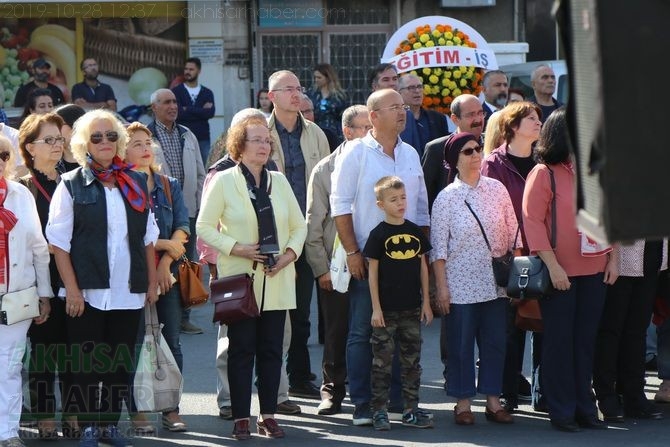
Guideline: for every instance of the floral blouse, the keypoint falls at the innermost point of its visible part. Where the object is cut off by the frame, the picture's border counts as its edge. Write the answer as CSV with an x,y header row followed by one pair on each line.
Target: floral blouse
x,y
456,237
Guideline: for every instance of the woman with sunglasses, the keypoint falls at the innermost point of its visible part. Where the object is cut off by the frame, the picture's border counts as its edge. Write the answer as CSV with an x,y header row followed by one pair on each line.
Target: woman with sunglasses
x,y
473,219
41,145
24,262
103,235
329,100
167,203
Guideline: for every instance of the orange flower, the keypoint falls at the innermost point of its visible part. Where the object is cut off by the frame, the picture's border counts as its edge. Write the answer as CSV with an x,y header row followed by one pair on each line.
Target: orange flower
x,y
427,102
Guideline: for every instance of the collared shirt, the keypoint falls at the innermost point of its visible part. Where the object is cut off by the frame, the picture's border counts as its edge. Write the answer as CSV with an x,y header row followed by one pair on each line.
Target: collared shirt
x,y
59,233
99,93
170,142
294,161
456,237
362,163
493,107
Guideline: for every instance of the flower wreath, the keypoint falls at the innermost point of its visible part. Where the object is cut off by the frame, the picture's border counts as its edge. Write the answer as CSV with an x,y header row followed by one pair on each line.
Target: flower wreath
x,y
442,84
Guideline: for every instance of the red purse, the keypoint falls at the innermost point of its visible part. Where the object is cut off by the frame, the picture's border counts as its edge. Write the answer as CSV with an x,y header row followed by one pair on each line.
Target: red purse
x,y
234,298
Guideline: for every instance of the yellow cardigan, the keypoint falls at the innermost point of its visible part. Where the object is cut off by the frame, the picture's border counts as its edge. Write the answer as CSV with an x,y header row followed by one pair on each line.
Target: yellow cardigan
x,y
226,204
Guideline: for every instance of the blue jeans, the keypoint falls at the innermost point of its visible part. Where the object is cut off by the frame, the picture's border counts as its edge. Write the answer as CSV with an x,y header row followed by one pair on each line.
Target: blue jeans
x,y
571,320
486,324
169,314
359,350
205,146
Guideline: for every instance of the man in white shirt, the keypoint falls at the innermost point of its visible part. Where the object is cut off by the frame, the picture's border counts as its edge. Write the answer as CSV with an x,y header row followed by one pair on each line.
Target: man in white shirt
x,y
381,152
496,90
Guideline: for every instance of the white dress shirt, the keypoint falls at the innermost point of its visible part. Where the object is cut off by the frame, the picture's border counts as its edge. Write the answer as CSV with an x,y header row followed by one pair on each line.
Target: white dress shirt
x,y
362,163
59,233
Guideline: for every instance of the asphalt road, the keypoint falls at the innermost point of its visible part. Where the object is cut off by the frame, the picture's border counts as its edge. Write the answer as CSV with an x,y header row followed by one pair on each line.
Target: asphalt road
x,y
200,412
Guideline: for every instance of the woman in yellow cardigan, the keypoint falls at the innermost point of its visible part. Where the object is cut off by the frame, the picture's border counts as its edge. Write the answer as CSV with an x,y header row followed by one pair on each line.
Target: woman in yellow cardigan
x,y
252,218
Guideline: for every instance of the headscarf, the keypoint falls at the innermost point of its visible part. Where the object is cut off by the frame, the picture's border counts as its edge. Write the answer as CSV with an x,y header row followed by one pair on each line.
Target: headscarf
x,y
7,221
130,189
452,149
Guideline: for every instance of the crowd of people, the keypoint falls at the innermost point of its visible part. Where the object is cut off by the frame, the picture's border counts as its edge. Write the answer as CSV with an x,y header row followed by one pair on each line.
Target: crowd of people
x,y
103,211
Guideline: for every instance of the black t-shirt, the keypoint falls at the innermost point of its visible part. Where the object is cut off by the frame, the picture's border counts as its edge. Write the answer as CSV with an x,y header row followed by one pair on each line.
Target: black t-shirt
x,y
398,249
522,164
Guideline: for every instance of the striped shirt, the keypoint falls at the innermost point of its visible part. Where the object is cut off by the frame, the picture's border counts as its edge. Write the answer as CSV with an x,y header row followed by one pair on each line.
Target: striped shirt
x,y
173,151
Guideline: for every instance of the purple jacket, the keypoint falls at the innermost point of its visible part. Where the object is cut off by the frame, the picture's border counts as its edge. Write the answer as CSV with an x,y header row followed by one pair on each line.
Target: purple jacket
x,y
499,167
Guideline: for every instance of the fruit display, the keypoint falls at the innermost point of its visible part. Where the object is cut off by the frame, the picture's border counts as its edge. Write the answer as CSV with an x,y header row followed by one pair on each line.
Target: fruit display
x,y
20,47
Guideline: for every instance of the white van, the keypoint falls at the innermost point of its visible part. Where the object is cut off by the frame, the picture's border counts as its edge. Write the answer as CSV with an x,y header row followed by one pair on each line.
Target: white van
x,y
519,77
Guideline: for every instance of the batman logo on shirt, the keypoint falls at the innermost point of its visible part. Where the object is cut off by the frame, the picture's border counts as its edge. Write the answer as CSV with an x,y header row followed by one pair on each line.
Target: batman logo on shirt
x,y
402,246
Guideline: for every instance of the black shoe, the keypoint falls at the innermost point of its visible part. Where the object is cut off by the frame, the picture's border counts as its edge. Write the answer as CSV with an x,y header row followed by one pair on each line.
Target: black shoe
x,y
611,409
566,425
651,365
591,422
510,406
312,376
541,406
525,392
328,407
645,411
305,390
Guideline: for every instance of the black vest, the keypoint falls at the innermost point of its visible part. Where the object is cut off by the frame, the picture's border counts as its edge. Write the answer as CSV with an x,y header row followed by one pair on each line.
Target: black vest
x,y
88,248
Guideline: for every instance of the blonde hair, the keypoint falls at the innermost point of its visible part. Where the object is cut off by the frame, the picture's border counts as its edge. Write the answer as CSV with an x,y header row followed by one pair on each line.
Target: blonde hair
x,y
81,134
139,127
387,183
6,145
493,137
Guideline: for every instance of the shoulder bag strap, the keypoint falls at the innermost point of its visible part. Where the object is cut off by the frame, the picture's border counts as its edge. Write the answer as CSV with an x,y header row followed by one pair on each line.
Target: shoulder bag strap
x,y
553,208
166,188
481,227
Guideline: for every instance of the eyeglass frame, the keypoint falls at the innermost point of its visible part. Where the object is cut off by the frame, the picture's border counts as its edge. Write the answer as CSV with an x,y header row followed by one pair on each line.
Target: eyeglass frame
x,y
396,108
290,89
267,141
108,135
470,151
413,88
59,139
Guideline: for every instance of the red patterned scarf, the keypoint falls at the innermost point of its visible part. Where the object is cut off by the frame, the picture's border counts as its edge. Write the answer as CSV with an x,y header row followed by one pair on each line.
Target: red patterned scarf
x,y
7,222
118,171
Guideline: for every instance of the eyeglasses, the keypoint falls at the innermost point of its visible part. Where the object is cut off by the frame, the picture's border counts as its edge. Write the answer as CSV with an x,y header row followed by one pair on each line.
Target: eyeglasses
x,y
471,115
51,141
112,136
394,108
290,89
471,150
412,88
260,141
4,156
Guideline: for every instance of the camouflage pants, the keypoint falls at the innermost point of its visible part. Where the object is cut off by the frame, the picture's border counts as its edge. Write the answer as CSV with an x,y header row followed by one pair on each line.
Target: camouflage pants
x,y
404,328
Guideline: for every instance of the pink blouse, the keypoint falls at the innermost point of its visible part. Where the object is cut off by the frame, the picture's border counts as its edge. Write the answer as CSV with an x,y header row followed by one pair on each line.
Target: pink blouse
x,y
536,210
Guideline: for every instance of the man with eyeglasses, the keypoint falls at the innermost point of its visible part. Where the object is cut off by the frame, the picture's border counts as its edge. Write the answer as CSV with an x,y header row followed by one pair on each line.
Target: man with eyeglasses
x,y
179,157
300,145
91,93
379,153
334,305
468,116
425,125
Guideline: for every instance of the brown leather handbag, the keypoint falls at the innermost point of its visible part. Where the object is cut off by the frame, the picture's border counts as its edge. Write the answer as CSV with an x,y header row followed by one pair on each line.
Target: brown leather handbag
x,y
193,291
528,316
234,298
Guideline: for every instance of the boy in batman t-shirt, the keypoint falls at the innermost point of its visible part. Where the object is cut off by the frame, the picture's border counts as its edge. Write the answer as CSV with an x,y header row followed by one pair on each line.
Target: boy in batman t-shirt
x,y
398,277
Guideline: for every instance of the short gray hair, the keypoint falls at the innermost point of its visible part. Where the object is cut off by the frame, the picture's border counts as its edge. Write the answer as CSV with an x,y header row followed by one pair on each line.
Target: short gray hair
x,y
350,114
488,74
244,114
153,99
458,102
533,74
402,80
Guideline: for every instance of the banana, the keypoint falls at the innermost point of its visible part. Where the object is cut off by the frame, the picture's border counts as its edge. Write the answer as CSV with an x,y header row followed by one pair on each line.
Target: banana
x,y
60,52
57,31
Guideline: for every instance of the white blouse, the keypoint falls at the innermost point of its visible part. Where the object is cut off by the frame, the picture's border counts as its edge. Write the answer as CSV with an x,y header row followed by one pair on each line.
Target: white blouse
x,y
59,233
457,238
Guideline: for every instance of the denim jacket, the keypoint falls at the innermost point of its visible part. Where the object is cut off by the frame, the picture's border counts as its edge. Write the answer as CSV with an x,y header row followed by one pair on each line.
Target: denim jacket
x,y
169,216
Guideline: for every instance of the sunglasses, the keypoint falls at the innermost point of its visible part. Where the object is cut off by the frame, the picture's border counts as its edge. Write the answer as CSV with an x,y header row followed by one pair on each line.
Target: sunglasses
x,y
471,150
4,156
112,136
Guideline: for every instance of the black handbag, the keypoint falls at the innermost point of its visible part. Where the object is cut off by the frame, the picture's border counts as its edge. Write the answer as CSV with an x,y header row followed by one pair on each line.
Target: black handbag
x,y
529,277
501,264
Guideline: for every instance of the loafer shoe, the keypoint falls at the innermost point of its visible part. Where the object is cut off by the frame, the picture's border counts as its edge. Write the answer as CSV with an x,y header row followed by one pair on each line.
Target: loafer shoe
x,y
329,407
566,425
464,417
269,427
501,416
611,409
306,390
189,328
287,407
226,413
241,430
174,424
591,422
